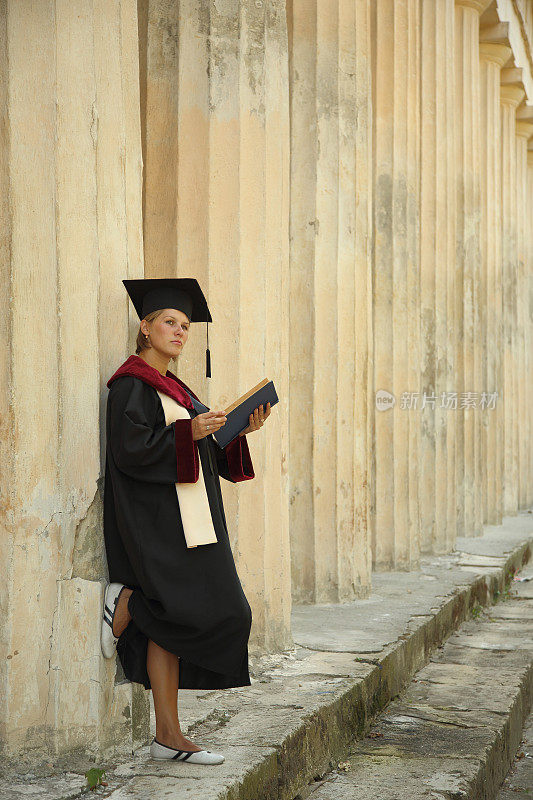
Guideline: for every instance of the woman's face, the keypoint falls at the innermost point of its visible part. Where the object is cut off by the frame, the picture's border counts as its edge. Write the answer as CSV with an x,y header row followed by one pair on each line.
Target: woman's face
x,y
168,332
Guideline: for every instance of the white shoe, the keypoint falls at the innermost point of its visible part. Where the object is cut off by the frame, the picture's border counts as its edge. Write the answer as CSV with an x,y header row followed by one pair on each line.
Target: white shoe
x,y
108,639
160,752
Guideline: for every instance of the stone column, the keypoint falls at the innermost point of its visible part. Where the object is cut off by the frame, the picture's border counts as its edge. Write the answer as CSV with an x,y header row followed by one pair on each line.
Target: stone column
x,y
468,267
511,95
216,140
71,216
493,57
396,280
355,413
524,130
529,306
330,309
437,273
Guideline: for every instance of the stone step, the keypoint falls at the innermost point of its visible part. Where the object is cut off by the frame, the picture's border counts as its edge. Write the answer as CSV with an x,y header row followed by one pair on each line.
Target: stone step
x,y
518,784
454,732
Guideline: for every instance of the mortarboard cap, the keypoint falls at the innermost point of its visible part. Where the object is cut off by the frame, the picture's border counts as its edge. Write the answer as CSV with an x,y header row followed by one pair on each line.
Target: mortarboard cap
x,y
183,294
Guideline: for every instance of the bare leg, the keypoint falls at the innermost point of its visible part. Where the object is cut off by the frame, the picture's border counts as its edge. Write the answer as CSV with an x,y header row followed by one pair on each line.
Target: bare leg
x,y
163,671
122,616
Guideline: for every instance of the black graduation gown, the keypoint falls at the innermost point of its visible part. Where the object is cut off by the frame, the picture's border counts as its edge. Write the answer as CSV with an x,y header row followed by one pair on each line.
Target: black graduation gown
x,y
188,600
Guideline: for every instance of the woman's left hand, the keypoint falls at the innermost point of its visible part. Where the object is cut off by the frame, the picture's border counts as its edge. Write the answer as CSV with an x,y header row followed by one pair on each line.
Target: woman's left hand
x,y
257,419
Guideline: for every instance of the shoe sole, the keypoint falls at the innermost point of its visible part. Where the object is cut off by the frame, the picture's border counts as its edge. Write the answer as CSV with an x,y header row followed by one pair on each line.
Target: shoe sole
x,y
188,761
178,755
106,628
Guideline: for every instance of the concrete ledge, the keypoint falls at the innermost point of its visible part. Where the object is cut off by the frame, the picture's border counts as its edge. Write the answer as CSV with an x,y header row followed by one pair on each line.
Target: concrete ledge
x,y
306,706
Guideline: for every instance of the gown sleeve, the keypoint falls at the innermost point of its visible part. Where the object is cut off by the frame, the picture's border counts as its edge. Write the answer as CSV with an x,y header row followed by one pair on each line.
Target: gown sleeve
x,y
145,452
233,461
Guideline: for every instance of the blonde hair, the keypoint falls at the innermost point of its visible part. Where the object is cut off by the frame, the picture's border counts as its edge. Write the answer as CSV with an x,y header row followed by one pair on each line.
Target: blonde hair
x,y
142,342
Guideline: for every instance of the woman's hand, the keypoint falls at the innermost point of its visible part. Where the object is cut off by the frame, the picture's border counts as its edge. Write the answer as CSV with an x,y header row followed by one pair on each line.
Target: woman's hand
x,y
256,419
208,422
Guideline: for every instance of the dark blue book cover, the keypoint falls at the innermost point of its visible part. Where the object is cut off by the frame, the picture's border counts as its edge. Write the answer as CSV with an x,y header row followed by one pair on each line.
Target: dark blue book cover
x,y
238,418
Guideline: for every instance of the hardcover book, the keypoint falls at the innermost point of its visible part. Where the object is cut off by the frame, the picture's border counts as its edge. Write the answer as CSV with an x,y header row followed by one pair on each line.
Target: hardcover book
x,y
239,411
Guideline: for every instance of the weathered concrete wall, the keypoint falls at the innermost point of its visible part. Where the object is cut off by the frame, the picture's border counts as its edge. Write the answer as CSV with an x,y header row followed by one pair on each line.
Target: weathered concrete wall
x,y
71,175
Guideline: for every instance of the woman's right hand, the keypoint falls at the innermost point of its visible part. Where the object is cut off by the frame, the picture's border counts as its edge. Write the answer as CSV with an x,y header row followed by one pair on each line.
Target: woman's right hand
x,y
215,420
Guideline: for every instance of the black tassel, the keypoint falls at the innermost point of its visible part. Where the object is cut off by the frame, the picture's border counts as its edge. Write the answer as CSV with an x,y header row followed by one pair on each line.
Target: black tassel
x,y
207,356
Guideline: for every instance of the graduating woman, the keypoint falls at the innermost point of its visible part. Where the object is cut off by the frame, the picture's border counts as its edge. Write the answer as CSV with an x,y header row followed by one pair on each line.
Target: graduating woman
x,y
174,609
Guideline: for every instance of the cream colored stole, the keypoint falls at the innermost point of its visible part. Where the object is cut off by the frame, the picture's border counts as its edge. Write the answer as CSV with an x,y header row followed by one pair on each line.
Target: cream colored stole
x,y
192,497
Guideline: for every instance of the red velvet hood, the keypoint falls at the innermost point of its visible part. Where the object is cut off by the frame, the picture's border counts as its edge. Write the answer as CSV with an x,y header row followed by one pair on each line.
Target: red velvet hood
x,y
169,384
